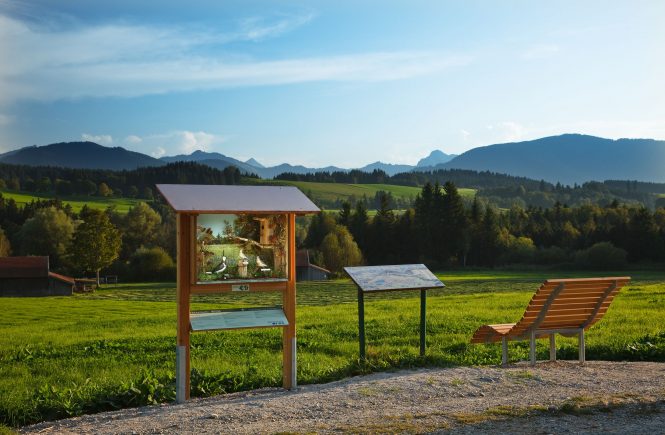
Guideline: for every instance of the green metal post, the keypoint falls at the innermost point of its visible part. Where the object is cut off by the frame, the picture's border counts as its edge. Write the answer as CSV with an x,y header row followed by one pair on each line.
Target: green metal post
x,y
423,309
361,322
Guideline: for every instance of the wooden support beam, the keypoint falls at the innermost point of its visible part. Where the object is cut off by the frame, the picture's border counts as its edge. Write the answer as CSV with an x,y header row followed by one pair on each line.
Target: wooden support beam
x,y
184,243
289,357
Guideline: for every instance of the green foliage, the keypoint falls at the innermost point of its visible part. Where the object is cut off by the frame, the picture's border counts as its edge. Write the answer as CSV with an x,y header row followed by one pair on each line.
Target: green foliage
x,y
152,264
339,250
140,227
602,256
517,249
5,246
96,243
103,190
48,232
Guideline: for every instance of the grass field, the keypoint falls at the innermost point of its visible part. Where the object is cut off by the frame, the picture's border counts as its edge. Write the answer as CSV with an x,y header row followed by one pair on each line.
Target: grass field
x,y
77,202
62,356
332,191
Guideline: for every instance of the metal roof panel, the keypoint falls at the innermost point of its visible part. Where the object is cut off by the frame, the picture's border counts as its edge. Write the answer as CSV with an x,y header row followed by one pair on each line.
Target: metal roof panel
x,y
200,198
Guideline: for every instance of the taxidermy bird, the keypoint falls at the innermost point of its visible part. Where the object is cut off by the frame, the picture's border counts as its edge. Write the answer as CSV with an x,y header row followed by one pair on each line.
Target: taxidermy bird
x,y
260,263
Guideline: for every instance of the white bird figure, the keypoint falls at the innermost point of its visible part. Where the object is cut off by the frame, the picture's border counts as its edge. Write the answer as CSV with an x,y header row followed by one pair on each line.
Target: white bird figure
x,y
260,263
242,255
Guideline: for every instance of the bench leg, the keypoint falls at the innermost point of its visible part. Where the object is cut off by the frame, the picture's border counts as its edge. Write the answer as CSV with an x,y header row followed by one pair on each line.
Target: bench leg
x,y
504,351
533,348
552,348
581,346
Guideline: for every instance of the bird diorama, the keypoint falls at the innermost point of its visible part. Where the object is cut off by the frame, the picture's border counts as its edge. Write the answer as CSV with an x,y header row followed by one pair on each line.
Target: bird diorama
x,y
231,247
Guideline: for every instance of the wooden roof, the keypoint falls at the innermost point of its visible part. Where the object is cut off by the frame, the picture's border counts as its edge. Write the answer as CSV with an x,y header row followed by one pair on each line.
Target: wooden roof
x,y
23,267
193,198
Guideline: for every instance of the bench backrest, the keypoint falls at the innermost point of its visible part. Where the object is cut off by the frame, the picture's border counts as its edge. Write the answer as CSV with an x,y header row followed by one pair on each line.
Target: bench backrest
x,y
562,304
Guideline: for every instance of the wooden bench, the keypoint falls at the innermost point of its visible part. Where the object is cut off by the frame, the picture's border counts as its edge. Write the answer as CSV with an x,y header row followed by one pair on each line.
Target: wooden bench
x,y
560,306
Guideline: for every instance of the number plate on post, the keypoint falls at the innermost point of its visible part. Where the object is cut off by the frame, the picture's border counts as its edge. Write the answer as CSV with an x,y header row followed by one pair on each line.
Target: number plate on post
x,y
240,288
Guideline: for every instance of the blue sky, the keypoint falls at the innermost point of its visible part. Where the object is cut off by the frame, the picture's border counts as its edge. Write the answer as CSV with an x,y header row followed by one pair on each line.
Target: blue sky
x,y
319,83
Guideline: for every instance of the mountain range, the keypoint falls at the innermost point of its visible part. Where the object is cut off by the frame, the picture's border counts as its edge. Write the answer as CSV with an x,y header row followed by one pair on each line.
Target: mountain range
x,y
568,158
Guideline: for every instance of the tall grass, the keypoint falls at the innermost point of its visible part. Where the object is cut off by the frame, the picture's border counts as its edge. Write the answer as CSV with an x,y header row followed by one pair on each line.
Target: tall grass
x,y
64,356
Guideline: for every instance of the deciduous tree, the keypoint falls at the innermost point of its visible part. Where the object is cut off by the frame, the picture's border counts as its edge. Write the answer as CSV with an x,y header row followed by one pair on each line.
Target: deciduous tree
x,y
96,243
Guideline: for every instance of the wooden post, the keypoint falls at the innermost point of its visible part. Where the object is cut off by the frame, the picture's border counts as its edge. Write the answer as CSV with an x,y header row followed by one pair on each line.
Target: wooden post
x,y
289,358
184,243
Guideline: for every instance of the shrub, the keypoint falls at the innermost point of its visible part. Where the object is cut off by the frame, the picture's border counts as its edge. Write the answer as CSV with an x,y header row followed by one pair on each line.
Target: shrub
x,y
152,264
551,255
517,250
602,256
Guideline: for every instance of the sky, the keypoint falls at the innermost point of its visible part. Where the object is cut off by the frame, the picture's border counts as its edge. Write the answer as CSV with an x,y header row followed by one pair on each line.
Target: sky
x,y
317,83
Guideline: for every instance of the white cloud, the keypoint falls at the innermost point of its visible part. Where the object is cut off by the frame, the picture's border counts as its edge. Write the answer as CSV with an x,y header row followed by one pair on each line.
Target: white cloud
x,y
540,51
103,139
509,131
259,28
465,135
174,142
158,152
133,139
127,60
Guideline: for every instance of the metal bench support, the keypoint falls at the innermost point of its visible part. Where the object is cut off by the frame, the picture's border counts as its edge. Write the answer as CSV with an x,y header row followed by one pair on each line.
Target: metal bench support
x,y
552,347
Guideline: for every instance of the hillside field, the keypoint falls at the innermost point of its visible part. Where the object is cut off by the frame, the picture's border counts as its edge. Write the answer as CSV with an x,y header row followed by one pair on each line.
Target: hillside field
x,y
332,191
62,356
77,202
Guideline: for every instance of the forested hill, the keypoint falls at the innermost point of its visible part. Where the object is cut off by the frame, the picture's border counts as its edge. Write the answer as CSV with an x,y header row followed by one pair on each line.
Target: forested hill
x,y
85,155
135,183
569,159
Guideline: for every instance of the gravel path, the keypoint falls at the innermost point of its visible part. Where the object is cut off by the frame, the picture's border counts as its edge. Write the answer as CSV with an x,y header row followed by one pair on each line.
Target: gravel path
x,y
559,397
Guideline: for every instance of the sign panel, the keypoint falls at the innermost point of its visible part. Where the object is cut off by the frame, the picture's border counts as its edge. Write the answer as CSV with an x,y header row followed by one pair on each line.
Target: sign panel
x,y
237,319
239,247
397,277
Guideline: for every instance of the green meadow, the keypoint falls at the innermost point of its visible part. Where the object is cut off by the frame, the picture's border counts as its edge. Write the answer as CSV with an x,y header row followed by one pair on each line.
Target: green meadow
x,y
122,205
64,356
332,191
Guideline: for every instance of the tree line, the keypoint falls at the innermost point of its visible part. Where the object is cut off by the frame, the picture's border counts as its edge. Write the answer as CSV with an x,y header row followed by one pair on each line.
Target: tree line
x,y
441,230
139,245
137,183
503,190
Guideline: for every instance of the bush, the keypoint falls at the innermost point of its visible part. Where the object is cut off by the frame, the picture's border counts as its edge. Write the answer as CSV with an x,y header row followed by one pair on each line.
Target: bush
x,y
551,255
602,256
517,250
152,264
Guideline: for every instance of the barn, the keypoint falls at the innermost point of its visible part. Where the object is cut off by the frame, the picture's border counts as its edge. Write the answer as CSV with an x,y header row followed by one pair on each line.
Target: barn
x,y
30,276
306,271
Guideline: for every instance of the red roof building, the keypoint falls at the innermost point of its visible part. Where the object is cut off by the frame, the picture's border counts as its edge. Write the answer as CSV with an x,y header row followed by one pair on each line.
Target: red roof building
x,y
30,276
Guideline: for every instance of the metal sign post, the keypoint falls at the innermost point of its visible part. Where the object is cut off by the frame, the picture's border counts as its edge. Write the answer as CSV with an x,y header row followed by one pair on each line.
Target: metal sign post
x,y
371,279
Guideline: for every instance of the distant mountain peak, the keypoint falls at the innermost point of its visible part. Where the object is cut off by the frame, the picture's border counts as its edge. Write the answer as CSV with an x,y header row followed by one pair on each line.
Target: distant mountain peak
x,y
436,157
253,162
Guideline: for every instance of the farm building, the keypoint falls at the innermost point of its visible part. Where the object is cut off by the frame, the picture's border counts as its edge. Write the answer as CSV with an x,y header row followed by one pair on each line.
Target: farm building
x,y
30,276
306,271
